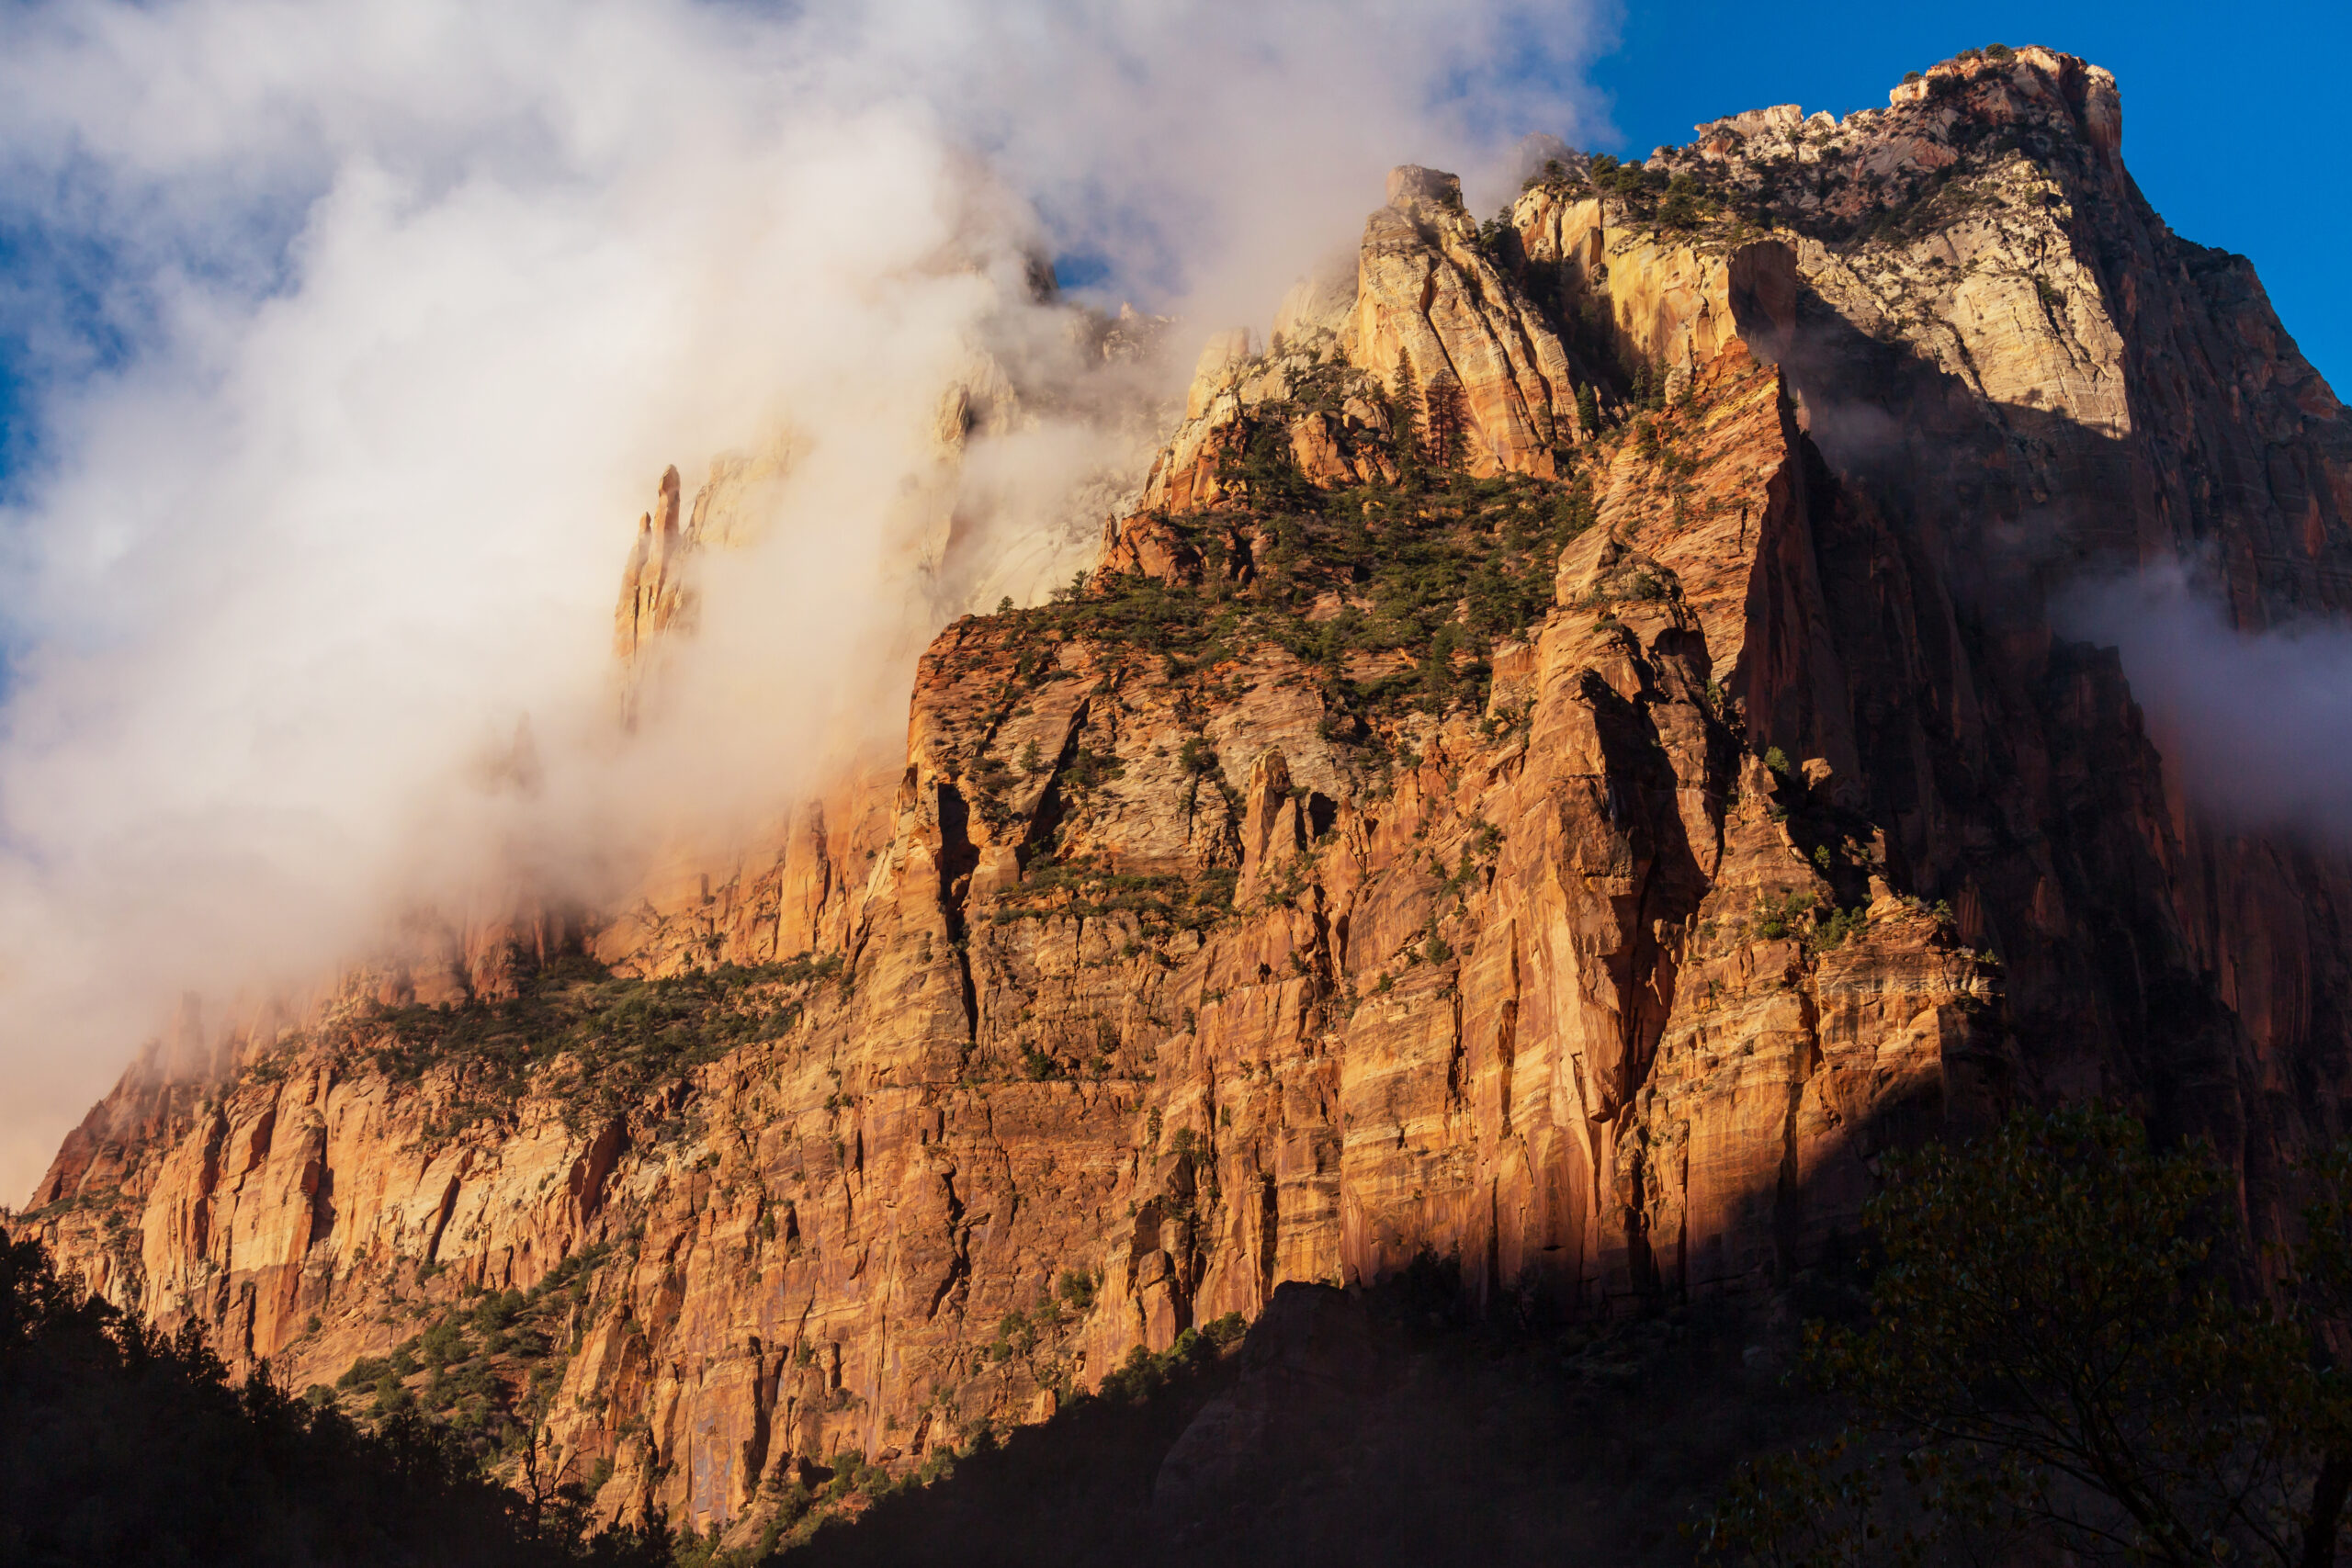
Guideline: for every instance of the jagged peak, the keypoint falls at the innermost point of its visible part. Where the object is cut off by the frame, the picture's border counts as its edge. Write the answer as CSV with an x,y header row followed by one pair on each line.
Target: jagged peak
x,y
1412,187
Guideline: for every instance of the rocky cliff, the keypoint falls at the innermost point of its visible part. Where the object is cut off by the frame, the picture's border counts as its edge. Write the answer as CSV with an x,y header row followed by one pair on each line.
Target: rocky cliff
x,y
1569,759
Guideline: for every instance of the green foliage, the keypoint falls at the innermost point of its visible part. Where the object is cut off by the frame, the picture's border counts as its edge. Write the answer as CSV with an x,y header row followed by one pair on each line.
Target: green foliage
x,y
1833,930
1405,415
1635,184
1078,889
1143,1374
121,1444
1688,203
1261,464
1777,760
1498,237
1814,1507
608,1040
1779,917
443,1342
1075,1289
1015,1335
1447,421
1437,576
2059,1350
1230,1329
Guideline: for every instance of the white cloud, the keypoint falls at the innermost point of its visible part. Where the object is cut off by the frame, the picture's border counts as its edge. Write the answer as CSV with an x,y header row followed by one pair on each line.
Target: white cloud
x,y
2256,725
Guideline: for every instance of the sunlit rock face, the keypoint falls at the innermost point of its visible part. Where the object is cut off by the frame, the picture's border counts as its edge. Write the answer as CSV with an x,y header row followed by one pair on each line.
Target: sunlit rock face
x,y
1233,926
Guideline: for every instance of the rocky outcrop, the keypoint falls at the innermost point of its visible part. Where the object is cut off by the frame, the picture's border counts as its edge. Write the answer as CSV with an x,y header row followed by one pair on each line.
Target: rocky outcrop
x,y
655,595
1733,812
1999,344
1428,294
1647,298
1432,296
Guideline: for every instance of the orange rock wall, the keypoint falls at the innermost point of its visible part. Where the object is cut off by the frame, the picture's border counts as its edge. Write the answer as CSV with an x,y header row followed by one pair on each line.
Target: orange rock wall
x,y
1528,1002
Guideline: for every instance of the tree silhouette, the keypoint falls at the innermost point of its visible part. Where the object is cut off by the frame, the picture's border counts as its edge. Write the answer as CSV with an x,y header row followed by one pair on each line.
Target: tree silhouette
x,y
120,1444
2061,1349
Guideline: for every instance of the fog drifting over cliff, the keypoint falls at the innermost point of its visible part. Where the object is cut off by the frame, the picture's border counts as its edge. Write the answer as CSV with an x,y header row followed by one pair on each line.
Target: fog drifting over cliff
x,y
2256,727
359,335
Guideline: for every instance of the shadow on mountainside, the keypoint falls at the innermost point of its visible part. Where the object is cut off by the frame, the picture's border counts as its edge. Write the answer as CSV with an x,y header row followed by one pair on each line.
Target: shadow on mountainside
x,y
119,1444
2010,768
1379,1427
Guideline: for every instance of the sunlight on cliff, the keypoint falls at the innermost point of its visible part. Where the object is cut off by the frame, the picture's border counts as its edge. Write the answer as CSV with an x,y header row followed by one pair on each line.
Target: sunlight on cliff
x,y
379,327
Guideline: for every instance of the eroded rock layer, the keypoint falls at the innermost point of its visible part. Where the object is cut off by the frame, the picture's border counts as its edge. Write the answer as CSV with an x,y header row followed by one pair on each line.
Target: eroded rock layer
x,y
1577,859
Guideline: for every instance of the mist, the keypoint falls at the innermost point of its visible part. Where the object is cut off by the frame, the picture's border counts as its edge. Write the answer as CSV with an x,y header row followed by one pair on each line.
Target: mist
x,y
2255,726
356,338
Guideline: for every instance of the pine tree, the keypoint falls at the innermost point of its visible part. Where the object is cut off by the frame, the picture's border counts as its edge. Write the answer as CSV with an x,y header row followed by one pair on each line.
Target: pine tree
x,y
1405,415
1588,410
1447,423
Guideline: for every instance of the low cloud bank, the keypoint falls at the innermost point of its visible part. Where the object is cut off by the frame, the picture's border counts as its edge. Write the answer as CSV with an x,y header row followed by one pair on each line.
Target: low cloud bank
x,y
2257,726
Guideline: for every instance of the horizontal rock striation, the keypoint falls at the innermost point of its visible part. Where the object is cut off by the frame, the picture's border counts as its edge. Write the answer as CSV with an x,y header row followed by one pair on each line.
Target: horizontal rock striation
x,y
1575,853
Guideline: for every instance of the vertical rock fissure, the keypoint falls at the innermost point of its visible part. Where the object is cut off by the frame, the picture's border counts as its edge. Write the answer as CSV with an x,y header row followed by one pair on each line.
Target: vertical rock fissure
x,y
956,860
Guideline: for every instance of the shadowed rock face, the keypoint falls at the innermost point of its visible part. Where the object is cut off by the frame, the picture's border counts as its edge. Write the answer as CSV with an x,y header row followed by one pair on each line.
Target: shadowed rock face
x,y
1169,958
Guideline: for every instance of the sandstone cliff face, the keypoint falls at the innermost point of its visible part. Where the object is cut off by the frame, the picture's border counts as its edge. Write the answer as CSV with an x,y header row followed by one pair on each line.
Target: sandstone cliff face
x,y
2007,355
1725,815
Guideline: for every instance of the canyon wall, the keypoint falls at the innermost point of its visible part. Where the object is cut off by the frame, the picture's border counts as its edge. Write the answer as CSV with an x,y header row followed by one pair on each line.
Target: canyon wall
x,y
1228,925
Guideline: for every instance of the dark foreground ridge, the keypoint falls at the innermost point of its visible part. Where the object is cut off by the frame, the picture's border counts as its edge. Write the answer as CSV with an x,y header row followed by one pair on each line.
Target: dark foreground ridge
x,y
121,1444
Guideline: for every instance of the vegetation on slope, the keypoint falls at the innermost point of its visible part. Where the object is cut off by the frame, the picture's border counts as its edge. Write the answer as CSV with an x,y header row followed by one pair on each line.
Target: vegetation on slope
x,y
1395,597
609,1040
121,1444
484,1369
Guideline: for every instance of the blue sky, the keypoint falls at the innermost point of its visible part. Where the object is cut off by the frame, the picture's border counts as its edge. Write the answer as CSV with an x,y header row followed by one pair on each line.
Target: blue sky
x,y
2231,115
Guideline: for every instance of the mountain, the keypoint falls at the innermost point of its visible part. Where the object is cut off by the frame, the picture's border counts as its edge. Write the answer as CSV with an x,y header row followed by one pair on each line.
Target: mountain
x,y
1566,762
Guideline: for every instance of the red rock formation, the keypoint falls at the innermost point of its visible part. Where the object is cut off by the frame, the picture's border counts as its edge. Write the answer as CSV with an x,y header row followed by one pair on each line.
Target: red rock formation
x,y
1787,829
654,592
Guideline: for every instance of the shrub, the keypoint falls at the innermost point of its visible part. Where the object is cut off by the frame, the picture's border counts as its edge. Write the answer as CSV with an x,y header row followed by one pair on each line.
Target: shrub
x,y
1833,932
443,1342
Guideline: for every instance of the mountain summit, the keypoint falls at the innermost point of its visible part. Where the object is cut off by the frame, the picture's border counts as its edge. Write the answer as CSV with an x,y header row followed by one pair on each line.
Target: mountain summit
x,y
1565,763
